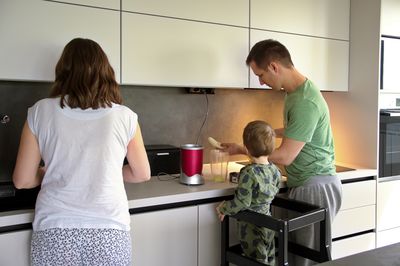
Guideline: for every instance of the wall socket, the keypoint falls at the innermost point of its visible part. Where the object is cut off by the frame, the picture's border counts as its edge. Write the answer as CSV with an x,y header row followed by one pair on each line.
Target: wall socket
x,y
197,90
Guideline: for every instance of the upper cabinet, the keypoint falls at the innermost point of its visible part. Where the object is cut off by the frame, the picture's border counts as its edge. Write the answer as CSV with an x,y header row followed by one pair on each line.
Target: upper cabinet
x,y
316,33
112,4
173,52
33,34
323,61
390,17
322,18
201,43
221,11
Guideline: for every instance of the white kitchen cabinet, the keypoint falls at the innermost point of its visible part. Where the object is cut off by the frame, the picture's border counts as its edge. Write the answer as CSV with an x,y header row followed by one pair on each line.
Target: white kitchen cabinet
x,y
171,52
221,11
357,212
388,205
352,221
323,61
112,4
390,19
322,18
353,245
210,235
167,237
387,237
358,194
33,34
15,248
356,215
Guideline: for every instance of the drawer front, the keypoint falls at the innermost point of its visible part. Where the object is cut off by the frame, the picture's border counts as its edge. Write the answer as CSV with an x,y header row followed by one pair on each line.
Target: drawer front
x,y
388,237
388,205
353,221
353,245
358,194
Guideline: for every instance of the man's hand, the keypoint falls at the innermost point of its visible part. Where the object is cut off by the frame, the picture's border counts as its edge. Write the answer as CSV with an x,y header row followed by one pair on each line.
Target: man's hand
x,y
233,148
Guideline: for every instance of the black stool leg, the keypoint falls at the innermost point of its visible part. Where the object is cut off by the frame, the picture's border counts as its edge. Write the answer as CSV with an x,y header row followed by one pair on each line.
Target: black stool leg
x,y
224,240
324,245
283,244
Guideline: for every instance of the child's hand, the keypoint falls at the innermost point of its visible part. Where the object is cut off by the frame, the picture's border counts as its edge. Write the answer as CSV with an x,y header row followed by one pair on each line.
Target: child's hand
x,y
220,215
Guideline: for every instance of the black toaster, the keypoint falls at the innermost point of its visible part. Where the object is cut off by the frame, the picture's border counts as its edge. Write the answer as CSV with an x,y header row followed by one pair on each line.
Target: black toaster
x,y
163,159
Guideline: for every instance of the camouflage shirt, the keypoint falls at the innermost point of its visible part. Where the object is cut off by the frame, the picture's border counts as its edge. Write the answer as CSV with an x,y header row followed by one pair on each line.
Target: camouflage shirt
x,y
258,185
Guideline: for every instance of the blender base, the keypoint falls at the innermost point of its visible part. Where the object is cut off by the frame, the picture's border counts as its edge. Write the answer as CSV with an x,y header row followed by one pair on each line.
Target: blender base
x,y
191,180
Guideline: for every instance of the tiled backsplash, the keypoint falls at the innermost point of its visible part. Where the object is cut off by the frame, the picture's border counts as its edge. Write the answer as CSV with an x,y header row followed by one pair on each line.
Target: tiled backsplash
x,y
166,115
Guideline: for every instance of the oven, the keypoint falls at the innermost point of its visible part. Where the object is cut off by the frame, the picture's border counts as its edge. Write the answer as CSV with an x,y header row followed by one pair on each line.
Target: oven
x,y
389,143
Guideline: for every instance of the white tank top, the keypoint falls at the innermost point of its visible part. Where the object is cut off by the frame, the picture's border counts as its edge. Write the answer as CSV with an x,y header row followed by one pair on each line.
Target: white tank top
x,y
83,151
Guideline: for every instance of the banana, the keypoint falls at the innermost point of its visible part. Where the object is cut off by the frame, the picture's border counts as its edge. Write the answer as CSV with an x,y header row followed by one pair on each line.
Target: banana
x,y
215,143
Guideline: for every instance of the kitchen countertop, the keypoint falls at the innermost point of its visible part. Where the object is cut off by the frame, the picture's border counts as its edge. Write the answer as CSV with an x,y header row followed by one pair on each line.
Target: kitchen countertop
x,y
155,192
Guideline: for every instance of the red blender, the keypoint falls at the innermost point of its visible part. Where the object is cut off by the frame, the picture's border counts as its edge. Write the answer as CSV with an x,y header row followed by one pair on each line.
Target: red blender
x,y
191,164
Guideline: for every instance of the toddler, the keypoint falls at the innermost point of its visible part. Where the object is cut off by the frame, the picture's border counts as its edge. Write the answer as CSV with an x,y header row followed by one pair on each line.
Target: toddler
x,y
257,187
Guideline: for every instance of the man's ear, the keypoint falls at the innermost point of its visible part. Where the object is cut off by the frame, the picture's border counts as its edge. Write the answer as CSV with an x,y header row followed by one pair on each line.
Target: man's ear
x,y
273,66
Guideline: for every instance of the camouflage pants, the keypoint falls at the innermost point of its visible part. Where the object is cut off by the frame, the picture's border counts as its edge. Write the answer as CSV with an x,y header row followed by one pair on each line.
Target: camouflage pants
x,y
257,242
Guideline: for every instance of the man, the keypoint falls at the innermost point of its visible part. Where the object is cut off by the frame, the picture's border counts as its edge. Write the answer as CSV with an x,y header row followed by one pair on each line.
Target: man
x,y
307,149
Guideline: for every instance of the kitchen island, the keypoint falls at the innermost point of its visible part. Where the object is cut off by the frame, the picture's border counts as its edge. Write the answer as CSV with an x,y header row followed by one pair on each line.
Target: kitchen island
x,y
177,224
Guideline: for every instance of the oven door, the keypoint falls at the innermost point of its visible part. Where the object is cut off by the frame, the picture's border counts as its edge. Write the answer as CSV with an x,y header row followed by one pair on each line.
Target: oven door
x,y
389,146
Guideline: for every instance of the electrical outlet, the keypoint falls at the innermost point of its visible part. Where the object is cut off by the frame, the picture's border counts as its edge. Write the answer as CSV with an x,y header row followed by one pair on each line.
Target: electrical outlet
x,y
197,90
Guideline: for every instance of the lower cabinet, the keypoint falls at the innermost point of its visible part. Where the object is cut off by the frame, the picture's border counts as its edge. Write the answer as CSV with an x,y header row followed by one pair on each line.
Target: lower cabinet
x,y
166,237
387,237
354,225
353,245
15,248
210,235
388,205
180,236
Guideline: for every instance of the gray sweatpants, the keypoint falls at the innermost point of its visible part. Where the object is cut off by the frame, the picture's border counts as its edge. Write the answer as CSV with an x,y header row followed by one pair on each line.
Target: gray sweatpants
x,y
324,191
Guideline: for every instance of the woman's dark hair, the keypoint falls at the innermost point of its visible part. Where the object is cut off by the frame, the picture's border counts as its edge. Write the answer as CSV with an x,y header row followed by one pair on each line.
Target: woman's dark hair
x,y
259,138
266,51
85,76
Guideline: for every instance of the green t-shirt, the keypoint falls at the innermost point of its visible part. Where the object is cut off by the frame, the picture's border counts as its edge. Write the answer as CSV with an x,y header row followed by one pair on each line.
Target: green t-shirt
x,y
306,119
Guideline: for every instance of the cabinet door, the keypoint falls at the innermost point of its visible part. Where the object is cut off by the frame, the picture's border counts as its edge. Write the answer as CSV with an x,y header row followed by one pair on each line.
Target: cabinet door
x,y
113,4
35,32
390,68
221,11
15,248
388,205
167,237
322,18
323,61
171,52
210,235
390,19
387,237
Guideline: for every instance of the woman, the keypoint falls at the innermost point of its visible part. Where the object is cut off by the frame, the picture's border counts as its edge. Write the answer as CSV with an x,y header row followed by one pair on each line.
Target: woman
x,y
82,133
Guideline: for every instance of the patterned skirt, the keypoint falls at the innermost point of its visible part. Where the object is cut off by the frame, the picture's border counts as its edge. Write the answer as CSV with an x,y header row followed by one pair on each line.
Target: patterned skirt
x,y
83,246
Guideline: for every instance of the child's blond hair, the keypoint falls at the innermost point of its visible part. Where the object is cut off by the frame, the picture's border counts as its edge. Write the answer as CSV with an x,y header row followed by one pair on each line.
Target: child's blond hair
x,y
259,138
